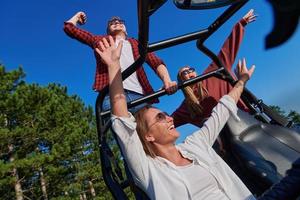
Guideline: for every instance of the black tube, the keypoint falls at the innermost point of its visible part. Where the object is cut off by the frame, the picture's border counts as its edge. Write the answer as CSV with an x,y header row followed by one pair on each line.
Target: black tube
x,y
162,92
177,40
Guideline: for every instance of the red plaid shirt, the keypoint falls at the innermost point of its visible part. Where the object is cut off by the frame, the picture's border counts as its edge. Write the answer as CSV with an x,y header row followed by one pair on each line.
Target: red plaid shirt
x,y
101,76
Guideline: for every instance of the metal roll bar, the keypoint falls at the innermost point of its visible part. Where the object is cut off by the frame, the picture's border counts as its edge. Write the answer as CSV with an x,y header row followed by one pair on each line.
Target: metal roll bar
x,y
145,9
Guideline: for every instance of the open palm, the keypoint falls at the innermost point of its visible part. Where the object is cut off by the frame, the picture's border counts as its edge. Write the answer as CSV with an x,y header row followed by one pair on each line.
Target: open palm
x,y
108,52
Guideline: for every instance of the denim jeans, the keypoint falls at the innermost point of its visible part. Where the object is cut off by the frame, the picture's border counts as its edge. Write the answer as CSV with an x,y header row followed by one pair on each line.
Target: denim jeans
x,y
130,96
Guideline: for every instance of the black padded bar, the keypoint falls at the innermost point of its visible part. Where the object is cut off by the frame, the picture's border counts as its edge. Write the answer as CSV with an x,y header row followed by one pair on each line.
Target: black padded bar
x,y
223,18
177,40
162,92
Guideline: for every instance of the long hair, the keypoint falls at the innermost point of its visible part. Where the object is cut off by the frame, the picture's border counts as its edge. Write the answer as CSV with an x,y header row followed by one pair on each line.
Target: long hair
x,y
142,129
193,100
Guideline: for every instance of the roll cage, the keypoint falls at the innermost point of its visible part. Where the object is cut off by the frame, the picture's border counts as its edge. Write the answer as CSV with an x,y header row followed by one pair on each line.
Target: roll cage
x,y
112,173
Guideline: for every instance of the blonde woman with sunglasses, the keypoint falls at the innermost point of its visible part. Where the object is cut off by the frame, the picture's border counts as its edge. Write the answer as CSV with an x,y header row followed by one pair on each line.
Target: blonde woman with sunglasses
x,y
201,97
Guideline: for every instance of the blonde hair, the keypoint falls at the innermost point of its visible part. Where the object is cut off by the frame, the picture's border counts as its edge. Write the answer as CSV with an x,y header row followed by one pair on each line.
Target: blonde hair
x,y
142,129
193,100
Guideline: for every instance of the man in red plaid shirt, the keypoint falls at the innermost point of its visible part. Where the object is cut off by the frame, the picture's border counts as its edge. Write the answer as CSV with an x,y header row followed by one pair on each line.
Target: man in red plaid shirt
x,y
136,85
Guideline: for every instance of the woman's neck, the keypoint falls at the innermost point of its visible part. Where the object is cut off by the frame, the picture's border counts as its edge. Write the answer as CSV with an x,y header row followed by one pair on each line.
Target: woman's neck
x,y
172,154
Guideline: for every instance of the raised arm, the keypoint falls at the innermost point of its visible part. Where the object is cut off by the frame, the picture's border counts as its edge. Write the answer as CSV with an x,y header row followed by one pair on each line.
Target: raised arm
x,y
122,122
161,70
79,17
232,44
111,56
226,106
71,29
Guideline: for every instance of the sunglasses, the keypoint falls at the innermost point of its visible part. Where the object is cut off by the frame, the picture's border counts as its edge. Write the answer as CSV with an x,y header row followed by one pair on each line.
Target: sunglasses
x,y
117,21
160,118
187,71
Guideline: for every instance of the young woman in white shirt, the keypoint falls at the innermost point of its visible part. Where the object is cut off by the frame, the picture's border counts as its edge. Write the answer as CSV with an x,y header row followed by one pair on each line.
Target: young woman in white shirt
x,y
190,170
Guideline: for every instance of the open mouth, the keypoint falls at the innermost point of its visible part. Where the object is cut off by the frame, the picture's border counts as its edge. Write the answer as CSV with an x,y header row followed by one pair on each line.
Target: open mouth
x,y
171,127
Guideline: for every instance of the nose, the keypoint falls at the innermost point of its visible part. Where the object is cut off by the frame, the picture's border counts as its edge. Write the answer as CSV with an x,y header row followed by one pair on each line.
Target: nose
x,y
169,119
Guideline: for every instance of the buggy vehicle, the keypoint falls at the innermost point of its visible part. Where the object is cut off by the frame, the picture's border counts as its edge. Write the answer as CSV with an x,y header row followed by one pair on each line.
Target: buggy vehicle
x,y
260,149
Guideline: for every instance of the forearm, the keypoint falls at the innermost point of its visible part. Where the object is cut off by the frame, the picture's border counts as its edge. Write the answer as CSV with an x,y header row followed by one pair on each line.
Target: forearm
x,y
163,73
81,35
237,90
116,91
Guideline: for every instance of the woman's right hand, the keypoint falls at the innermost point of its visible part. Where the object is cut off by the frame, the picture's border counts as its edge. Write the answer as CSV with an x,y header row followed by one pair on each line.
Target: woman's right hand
x,y
108,52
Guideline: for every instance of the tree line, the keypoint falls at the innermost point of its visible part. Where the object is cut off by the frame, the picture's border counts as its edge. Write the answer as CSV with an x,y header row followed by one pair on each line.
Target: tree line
x,y
48,143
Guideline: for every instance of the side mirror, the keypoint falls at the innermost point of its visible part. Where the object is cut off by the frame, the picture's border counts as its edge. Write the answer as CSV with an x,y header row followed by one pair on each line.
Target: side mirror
x,y
203,4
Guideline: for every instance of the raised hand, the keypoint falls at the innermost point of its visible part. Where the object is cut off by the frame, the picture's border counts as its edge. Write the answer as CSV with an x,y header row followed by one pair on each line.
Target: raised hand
x,y
108,52
242,71
81,17
250,16
243,75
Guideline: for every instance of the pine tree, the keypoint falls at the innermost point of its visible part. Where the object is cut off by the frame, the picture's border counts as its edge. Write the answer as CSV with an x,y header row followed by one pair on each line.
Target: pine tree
x,y
48,142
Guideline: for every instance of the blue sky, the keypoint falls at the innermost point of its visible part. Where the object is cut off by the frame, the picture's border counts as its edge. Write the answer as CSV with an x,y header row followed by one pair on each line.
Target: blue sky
x,y
32,37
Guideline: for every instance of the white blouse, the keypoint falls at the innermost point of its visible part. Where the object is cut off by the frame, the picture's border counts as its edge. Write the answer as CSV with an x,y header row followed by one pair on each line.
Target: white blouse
x,y
160,178
201,183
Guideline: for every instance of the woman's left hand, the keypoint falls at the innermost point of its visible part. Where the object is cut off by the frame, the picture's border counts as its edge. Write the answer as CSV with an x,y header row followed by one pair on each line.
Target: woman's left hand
x,y
242,71
250,16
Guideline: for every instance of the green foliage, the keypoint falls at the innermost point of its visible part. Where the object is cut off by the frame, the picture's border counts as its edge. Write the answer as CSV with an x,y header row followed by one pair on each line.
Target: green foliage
x,y
294,116
52,135
291,116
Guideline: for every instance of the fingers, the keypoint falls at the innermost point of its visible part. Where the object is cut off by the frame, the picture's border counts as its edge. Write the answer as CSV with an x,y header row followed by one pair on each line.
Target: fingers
x,y
171,87
242,72
120,46
239,67
111,40
101,45
249,13
244,65
106,44
251,70
81,17
250,16
98,51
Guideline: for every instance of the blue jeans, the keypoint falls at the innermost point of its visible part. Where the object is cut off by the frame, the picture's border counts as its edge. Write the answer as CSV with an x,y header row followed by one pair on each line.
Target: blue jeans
x,y
130,96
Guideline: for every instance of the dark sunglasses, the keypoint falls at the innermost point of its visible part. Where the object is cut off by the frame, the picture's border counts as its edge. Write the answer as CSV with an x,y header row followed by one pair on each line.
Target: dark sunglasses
x,y
187,71
160,118
117,21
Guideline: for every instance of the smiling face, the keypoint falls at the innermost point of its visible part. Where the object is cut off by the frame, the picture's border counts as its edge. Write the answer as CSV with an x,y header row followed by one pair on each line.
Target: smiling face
x,y
186,73
116,26
160,127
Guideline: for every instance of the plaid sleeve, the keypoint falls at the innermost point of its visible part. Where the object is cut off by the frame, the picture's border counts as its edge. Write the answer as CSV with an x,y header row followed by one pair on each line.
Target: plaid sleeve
x,y
153,61
81,35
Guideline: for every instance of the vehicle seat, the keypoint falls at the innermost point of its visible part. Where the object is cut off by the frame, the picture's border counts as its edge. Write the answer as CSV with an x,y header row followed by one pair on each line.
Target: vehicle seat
x,y
266,150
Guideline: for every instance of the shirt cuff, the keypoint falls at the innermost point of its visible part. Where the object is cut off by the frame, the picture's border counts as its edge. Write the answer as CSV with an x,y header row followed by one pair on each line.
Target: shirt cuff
x,y
128,122
243,22
68,23
230,104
